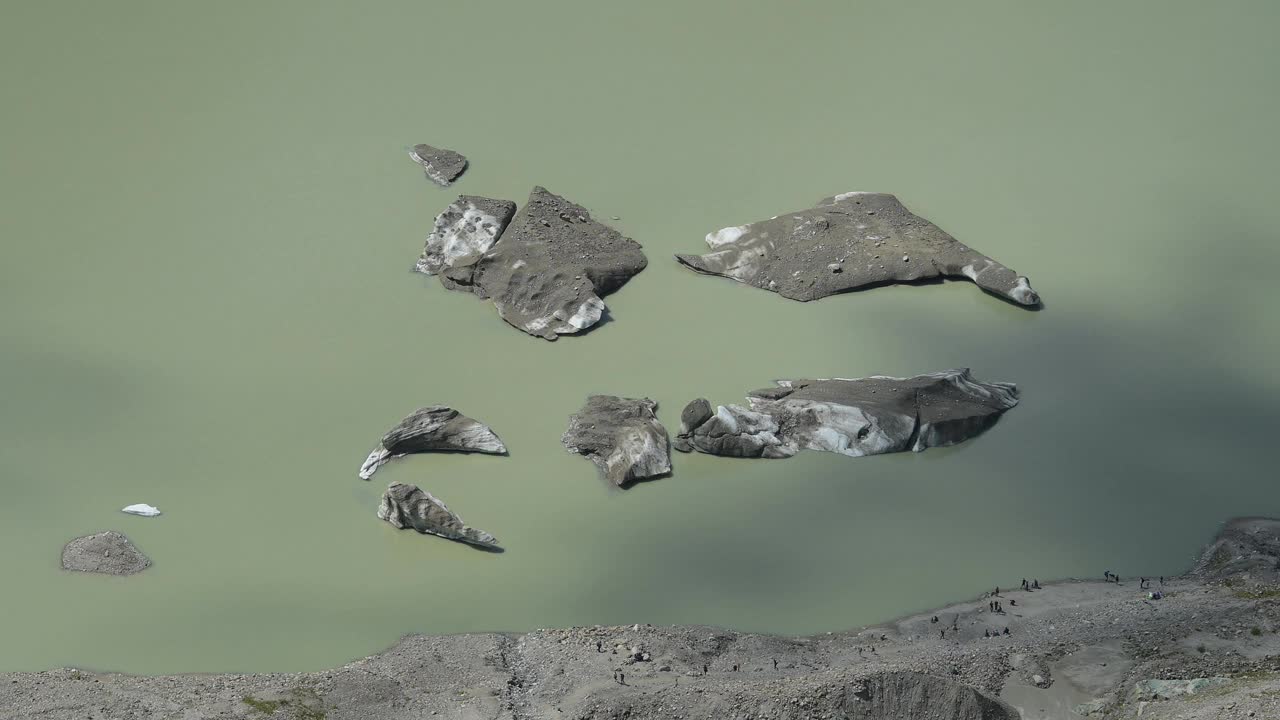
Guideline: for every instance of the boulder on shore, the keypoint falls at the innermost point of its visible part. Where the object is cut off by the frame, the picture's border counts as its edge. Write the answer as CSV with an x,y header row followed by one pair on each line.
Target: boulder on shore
x,y
108,553
436,428
854,417
901,694
622,436
549,270
1246,551
850,241
441,166
408,506
463,232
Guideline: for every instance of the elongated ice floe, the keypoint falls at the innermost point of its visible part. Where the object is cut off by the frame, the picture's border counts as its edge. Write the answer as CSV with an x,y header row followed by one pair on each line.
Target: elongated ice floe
x,y
853,417
850,241
142,509
434,428
408,506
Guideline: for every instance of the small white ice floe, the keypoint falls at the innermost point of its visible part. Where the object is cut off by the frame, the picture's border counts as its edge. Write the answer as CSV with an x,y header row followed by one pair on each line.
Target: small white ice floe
x,y
142,509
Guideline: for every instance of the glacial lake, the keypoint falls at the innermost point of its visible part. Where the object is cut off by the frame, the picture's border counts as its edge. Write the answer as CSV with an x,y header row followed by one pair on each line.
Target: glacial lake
x,y
206,305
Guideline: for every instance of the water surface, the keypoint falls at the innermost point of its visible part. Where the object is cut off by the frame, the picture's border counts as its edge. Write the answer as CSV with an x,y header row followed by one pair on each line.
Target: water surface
x,y
209,218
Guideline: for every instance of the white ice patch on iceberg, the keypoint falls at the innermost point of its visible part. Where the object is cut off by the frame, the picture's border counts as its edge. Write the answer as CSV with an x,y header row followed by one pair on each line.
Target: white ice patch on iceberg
x,y
845,196
724,236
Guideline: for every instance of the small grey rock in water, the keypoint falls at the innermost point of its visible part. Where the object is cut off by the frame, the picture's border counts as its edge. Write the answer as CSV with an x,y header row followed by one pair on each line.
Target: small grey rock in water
x,y
550,269
109,553
433,428
441,166
464,231
866,416
622,436
850,241
408,506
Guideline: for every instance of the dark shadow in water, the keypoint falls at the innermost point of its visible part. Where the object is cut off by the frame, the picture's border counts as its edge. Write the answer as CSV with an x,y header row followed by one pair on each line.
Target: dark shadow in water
x,y
639,483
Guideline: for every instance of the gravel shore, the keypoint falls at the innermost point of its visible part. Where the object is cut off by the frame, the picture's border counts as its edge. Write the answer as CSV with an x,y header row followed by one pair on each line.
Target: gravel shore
x,y
1208,648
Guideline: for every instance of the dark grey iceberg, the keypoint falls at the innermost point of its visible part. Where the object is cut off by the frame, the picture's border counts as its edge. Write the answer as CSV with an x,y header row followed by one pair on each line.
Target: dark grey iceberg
x,y
441,166
622,436
548,272
437,428
108,553
463,232
850,241
408,506
854,417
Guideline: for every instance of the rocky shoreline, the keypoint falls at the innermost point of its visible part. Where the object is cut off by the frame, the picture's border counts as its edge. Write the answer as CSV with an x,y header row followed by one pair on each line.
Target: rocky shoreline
x,y
1207,648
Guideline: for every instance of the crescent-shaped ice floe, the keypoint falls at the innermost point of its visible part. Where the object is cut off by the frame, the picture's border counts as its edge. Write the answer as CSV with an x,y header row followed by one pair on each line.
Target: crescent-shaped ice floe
x,y
436,428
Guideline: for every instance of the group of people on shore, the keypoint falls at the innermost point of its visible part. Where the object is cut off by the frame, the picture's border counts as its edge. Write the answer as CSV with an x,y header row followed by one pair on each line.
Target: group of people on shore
x,y
994,606
1143,582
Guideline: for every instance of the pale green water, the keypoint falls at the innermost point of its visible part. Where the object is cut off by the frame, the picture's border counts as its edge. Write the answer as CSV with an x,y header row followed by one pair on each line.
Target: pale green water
x,y
209,218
